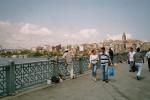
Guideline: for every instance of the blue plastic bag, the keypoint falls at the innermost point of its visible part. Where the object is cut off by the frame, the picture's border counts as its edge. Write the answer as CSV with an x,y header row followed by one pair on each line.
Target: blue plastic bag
x,y
111,71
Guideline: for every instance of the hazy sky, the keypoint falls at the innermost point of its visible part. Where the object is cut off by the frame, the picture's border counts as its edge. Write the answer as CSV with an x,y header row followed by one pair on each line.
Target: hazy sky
x,y
28,23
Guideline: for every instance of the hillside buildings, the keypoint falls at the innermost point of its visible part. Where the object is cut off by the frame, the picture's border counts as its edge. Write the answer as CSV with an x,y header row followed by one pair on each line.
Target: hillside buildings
x,y
119,46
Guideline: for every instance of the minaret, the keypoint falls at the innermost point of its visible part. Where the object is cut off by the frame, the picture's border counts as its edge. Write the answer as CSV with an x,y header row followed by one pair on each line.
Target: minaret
x,y
124,40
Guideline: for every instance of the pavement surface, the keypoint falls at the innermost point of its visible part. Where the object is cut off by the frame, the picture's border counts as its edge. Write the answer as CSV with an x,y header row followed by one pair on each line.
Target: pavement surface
x,y
123,86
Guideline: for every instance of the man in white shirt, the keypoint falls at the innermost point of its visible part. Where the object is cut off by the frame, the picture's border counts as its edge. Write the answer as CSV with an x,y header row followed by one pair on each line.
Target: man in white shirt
x,y
130,59
68,56
148,58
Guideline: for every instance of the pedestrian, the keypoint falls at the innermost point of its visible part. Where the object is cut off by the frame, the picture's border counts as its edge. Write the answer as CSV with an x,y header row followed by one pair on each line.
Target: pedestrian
x,y
139,60
111,54
105,61
68,56
94,61
131,60
148,58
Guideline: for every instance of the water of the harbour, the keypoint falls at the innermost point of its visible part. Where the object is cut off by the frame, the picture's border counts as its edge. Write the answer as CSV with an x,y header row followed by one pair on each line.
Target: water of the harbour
x,y
5,61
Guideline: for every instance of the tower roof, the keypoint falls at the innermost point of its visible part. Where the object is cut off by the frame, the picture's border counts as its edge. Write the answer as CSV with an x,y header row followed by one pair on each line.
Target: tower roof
x,y
124,36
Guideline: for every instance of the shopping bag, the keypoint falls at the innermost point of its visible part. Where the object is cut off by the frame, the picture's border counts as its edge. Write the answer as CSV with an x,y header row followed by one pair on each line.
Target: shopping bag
x,y
111,71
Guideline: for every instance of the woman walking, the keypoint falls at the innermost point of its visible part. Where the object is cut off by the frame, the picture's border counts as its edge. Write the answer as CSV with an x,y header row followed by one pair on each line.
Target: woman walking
x,y
93,61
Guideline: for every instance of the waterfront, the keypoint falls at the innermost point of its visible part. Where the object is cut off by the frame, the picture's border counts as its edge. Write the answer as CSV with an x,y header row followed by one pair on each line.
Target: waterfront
x,y
5,61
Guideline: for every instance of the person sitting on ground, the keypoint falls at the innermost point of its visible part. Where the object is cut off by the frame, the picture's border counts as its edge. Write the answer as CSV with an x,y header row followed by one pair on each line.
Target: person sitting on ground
x,y
57,79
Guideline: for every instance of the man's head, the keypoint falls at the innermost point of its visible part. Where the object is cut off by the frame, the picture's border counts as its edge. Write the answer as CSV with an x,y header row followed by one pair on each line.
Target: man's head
x,y
93,52
103,49
138,50
131,49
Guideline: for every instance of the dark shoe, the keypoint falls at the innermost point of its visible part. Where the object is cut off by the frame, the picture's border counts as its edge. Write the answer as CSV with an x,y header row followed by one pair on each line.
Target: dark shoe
x,y
130,70
106,81
74,77
137,77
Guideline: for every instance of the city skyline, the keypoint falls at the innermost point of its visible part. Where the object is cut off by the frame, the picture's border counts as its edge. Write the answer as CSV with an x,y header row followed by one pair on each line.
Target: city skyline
x,y
28,23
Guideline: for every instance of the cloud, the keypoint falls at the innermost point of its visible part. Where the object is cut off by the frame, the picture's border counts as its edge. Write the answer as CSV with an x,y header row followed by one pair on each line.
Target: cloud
x,y
83,36
23,35
4,24
118,36
34,29
88,33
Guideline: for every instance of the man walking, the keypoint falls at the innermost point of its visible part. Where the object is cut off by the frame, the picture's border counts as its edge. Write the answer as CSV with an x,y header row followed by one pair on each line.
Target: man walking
x,y
148,58
139,60
111,54
104,61
131,60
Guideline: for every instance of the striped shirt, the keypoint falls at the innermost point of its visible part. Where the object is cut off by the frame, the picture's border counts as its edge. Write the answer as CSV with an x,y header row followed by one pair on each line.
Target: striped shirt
x,y
104,59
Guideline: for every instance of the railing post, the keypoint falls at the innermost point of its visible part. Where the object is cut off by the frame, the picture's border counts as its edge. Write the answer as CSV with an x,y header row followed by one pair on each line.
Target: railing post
x,y
55,67
10,78
117,58
80,65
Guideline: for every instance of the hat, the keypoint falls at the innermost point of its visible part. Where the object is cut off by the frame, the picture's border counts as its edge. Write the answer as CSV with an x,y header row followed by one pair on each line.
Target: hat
x,y
66,50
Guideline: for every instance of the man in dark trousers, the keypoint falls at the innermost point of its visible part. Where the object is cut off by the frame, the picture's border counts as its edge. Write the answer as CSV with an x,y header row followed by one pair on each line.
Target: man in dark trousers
x,y
139,61
104,61
148,58
111,54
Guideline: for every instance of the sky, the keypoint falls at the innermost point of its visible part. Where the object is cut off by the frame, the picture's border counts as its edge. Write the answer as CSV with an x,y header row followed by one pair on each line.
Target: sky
x,y
31,23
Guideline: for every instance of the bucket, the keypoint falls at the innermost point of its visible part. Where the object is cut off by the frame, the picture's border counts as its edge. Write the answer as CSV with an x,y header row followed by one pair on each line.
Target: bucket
x,y
49,81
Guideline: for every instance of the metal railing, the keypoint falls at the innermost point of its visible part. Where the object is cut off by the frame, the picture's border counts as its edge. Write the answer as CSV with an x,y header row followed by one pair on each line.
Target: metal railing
x,y
15,77
3,72
32,73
